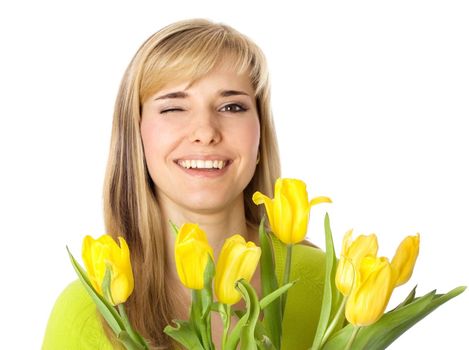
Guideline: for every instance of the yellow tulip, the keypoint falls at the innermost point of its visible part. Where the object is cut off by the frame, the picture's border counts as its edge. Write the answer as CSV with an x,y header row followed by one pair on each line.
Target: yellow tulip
x,y
352,253
288,211
192,252
237,260
104,253
404,260
370,294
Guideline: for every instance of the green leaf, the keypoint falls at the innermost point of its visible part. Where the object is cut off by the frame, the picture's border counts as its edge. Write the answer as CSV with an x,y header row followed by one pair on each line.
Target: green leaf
x,y
207,292
197,321
267,300
174,228
206,296
135,336
106,285
248,339
184,334
107,310
332,298
408,299
394,323
262,340
272,310
128,342
245,328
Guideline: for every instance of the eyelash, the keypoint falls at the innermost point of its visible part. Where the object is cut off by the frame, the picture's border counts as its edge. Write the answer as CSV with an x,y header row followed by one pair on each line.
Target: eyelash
x,y
171,110
239,108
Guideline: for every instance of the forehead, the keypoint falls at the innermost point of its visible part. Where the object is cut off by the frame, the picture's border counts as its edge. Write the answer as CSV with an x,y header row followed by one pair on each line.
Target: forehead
x,y
189,69
224,76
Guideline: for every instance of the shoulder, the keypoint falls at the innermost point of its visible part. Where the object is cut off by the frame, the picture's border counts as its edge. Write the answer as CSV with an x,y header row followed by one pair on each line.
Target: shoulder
x,y
308,263
74,322
308,269
304,299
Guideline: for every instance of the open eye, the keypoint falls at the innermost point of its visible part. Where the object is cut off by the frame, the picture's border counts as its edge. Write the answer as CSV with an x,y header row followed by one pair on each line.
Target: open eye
x,y
233,108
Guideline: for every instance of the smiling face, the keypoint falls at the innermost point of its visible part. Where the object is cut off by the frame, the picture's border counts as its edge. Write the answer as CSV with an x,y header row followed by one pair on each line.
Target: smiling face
x,y
201,140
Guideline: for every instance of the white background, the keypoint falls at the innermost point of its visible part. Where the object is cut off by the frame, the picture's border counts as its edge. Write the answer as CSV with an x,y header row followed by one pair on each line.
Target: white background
x,y
370,100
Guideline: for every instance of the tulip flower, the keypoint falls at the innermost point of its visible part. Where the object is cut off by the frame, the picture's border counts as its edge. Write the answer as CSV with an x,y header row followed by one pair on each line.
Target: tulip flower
x,y
405,258
288,211
373,285
237,260
352,253
105,254
192,252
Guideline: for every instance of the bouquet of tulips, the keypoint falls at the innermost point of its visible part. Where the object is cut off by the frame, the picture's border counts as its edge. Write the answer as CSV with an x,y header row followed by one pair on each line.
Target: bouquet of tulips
x,y
357,285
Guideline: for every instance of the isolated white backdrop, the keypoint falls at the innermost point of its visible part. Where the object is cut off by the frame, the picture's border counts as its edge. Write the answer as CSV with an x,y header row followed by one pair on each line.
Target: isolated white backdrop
x,y
370,102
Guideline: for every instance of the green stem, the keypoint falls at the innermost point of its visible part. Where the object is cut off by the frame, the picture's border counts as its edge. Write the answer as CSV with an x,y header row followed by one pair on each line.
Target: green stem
x,y
137,338
226,324
286,275
333,324
352,337
197,321
208,326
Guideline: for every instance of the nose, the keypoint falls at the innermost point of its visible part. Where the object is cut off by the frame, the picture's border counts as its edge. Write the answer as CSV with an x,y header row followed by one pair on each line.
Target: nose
x,y
205,130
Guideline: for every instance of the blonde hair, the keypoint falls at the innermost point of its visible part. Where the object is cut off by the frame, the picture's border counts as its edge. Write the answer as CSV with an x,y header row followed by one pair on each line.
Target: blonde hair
x,y
185,50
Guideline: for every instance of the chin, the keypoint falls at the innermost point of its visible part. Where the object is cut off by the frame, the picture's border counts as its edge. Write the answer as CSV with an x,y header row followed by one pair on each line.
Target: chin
x,y
208,203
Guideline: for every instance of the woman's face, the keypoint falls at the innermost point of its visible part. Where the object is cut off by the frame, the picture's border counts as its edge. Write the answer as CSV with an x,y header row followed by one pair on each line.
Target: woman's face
x,y
201,140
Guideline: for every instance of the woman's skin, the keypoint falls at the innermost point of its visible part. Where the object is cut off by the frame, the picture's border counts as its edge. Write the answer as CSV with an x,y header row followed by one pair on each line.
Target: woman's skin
x,y
211,120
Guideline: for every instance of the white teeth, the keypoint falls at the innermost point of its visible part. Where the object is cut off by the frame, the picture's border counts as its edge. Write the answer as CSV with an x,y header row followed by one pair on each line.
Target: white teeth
x,y
202,164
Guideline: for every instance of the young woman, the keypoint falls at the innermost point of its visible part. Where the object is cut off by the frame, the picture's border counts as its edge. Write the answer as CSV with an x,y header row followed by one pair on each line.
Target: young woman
x,y
192,140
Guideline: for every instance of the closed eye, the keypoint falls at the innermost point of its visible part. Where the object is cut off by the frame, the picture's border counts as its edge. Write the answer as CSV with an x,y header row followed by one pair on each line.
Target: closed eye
x,y
171,110
233,108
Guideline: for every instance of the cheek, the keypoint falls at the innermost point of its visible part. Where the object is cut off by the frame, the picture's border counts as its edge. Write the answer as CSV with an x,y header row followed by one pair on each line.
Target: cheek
x,y
249,137
150,141
156,143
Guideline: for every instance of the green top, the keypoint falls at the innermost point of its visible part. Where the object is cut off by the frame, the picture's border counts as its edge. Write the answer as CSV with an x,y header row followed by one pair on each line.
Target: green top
x,y
74,323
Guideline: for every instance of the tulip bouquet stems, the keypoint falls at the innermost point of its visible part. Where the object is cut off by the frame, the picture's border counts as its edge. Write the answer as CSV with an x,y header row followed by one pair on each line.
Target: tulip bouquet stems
x,y
357,285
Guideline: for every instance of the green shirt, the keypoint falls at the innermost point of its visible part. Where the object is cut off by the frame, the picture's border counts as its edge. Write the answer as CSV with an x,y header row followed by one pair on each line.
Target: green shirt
x,y
74,323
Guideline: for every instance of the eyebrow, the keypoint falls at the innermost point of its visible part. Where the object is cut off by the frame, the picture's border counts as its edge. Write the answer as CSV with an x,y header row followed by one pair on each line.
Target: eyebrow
x,y
182,94
227,93
177,94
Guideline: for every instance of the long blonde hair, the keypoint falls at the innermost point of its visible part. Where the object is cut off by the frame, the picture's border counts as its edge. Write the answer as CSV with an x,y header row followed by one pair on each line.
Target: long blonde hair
x,y
185,50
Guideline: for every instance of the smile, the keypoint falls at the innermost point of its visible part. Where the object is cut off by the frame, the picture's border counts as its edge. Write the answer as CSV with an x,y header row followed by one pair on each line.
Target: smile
x,y
202,164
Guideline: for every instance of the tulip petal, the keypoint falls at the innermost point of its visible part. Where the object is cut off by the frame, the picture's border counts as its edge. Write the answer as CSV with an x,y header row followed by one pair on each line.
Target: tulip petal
x,y
371,292
259,198
237,260
284,219
404,260
191,254
352,253
104,253
319,200
295,191
362,246
288,211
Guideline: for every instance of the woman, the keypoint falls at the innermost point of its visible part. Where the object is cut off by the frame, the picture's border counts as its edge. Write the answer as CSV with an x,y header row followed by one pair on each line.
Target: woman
x,y
192,140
